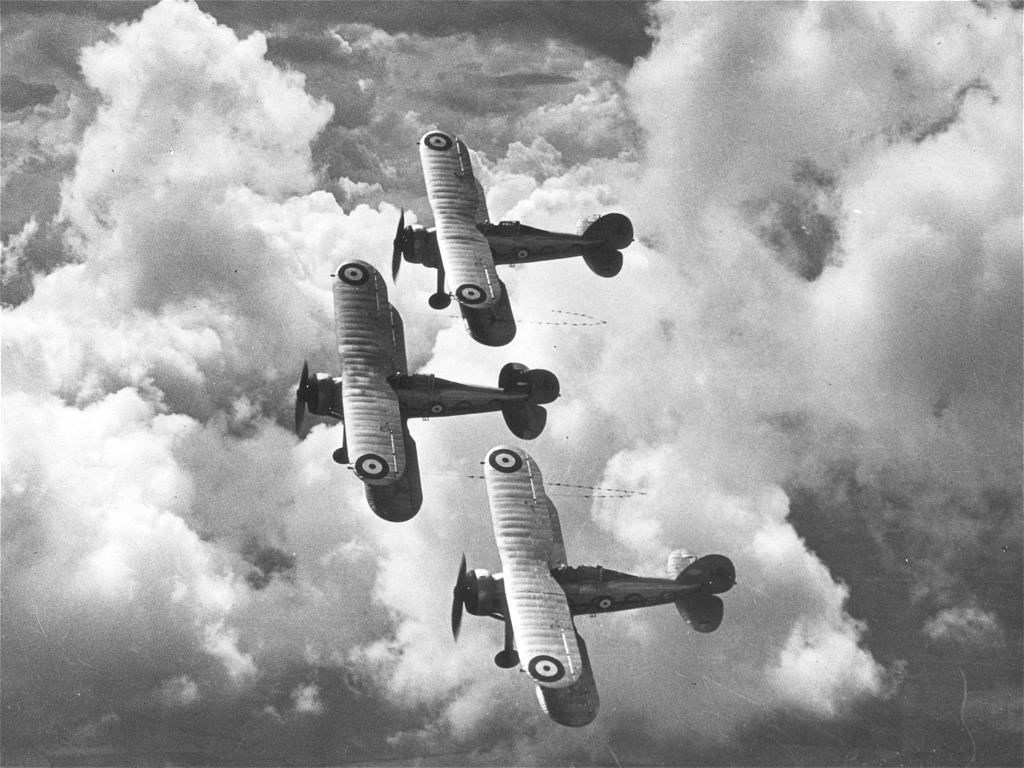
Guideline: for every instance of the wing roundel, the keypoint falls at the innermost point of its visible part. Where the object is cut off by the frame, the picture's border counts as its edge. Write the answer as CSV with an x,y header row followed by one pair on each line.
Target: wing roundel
x,y
455,198
530,544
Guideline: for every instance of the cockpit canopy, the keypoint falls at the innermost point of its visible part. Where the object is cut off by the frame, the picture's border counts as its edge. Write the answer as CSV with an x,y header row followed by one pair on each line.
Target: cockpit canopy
x,y
573,575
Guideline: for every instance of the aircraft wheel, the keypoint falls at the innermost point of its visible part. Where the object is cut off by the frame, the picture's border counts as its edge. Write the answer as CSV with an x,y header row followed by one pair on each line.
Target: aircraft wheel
x,y
507,659
439,301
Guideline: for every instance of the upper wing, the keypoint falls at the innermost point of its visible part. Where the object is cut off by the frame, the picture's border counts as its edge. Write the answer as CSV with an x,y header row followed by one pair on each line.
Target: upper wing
x,y
455,200
522,516
369,343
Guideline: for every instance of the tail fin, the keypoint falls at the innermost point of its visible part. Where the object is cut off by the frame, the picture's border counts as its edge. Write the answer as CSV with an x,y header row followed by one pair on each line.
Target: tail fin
x,y
710,575
540,387
614,229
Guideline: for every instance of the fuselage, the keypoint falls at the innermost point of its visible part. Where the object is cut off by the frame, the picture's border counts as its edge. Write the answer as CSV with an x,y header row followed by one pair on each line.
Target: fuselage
x,y
594,589
429,396
514,243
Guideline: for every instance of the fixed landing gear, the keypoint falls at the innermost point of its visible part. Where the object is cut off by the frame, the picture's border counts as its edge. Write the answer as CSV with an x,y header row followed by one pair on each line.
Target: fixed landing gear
x,y
507,657
440,299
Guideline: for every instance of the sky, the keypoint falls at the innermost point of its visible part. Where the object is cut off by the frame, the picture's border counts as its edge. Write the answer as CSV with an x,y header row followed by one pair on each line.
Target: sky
x,y
811,363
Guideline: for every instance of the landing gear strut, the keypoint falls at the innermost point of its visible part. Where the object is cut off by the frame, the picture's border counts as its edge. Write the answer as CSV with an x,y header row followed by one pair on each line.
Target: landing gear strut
x,y
440,299
507,657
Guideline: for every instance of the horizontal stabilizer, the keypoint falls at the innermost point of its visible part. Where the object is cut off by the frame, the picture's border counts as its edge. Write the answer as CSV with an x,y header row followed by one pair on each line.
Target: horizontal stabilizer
x,y
604,263
703,612
525,420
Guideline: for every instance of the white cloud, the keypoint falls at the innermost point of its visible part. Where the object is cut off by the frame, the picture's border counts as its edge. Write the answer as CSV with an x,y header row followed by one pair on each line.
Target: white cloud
x,y
965,625
140,451
824,669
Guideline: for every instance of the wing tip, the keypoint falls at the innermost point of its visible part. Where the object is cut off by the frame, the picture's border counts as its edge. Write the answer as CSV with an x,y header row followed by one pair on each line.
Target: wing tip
x,y
506,459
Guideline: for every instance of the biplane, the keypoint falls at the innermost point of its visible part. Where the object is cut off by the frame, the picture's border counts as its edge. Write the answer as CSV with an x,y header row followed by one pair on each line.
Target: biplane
x,y
464,246
538,592
375,395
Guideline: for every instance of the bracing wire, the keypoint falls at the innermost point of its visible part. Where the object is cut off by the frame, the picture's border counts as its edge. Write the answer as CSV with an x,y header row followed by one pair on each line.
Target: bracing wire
x,y
605,493
591,321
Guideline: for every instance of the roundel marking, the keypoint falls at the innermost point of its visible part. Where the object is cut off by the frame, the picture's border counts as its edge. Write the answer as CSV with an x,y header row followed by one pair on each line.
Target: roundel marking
x,y
470,294
505,461
435,409
546,669
604,603
353,274
437,141
521,253
371,466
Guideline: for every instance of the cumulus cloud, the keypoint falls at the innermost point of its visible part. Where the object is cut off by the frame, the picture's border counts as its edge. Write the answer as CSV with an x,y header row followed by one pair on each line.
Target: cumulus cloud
x,y
810,363
966,625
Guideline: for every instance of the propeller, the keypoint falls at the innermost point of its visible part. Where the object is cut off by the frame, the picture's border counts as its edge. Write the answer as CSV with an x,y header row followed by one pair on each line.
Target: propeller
x,y
399,247
459,598
301,396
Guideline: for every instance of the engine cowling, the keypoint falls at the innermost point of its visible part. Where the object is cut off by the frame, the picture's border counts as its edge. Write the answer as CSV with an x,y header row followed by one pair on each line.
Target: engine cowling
x,y
325,395
481,595
416,237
